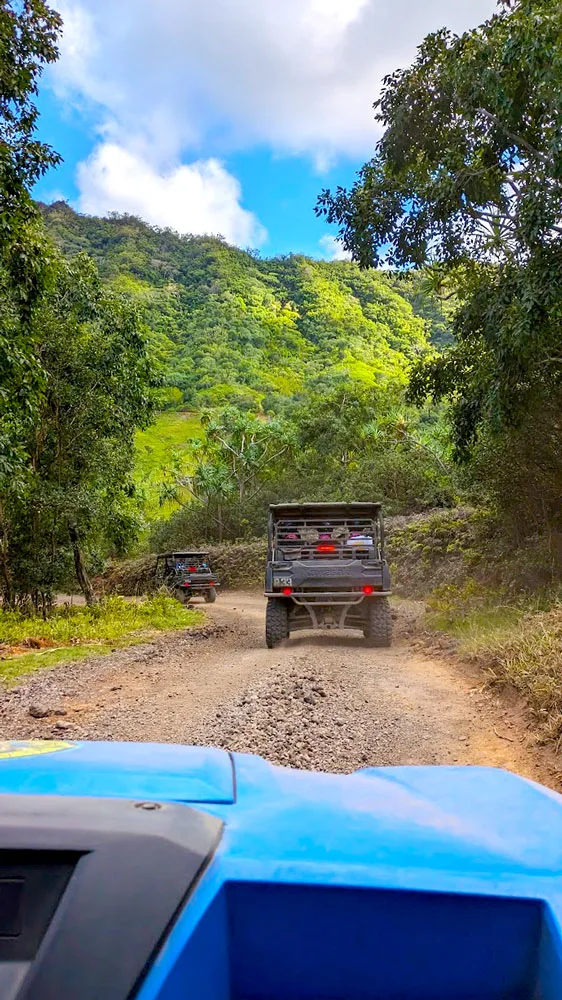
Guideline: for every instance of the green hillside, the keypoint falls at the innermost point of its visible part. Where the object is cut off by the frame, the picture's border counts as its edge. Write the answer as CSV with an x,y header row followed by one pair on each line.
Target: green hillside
x,y
171,432
228,326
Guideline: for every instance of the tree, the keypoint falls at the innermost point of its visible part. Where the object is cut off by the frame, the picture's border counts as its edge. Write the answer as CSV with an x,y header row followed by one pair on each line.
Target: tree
x,y
467,178
76,499
469,166
355,443
231,466
29,31
330,429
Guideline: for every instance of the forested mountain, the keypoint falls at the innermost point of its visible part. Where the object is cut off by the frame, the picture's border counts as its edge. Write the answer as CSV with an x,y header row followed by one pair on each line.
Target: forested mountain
x,y
228,326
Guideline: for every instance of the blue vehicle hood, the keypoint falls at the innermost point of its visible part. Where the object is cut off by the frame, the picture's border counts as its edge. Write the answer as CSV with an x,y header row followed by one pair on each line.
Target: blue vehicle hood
x,y
195,872
460,818
159,771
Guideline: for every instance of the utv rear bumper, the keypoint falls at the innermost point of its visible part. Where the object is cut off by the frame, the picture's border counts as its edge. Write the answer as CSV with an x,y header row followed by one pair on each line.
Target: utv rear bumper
x,y
319,577
328,597
334,610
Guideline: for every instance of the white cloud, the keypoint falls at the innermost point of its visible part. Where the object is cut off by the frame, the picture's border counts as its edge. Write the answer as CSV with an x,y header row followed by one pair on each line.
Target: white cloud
x,y
332,248
300,75
200,197
167,80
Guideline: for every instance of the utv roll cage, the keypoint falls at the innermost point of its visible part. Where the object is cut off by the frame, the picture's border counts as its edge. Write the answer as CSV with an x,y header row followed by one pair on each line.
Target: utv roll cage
x,y
326,568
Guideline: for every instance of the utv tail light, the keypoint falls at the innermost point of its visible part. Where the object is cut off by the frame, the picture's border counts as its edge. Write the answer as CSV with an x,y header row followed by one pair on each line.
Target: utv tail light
x,y
186,584
287,591
368,590
192,569
325,548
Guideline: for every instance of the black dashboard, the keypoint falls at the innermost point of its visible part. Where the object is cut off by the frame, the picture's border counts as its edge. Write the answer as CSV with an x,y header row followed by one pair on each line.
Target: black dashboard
x,y
89,889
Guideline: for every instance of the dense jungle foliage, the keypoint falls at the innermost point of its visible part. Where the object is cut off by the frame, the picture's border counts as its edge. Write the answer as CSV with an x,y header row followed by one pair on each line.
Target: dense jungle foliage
x,y
75,373
298,368
228,327
466,183
435,380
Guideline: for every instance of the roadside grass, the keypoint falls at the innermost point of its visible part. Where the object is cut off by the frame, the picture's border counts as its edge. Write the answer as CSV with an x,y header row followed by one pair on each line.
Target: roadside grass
x,y
517,644
468,563
16,667
479,624
528,656
172,431
71,633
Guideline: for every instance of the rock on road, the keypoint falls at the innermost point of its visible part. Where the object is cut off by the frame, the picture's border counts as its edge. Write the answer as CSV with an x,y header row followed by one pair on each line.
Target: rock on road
x,y
320,701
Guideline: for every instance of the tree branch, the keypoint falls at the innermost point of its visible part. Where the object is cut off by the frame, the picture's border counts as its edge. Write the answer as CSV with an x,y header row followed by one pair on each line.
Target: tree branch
x,y
203,502
518,139
424,447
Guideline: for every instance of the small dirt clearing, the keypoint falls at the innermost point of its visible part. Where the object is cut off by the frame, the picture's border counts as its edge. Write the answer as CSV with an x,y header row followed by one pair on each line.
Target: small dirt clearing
x,y
320,701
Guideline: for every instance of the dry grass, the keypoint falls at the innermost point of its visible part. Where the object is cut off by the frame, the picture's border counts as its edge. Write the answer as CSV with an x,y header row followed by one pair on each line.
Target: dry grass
x,y
522,650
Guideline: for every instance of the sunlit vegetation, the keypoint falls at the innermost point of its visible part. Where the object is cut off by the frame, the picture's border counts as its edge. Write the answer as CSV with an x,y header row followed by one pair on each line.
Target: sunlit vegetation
x,y
70,632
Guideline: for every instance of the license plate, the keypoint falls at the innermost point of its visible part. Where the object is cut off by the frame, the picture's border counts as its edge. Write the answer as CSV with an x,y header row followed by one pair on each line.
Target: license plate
x,y
282,581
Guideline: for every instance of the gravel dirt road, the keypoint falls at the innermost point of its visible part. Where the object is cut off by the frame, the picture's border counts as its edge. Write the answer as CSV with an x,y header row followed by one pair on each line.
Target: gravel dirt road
x,y
321,701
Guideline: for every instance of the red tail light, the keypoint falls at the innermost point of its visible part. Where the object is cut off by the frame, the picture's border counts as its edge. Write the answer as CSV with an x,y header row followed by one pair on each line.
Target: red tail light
x,y
287,591
368,590
186,585
192,569
325,548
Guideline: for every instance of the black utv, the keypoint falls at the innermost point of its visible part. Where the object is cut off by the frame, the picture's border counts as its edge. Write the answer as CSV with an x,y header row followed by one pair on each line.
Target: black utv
x,y
187,575
326,568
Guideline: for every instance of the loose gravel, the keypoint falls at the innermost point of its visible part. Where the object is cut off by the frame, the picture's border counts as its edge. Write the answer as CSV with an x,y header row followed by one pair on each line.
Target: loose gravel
x,y
314,719
319,701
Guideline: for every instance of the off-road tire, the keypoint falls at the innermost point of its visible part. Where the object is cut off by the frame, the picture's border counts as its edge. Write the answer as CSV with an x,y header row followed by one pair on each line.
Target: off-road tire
x,y
378,632
276,622
210,595
182,595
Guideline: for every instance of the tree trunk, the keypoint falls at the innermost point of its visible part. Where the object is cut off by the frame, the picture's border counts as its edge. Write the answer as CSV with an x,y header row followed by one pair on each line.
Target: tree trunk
x,y
80,567
7,588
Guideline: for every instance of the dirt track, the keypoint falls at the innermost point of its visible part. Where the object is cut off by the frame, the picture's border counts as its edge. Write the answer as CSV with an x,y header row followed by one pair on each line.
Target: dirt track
x,y
320,701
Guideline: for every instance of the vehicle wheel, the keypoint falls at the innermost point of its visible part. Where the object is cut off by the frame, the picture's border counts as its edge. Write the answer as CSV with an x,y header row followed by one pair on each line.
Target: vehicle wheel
x,y
210,595
276,622
379,623
183,596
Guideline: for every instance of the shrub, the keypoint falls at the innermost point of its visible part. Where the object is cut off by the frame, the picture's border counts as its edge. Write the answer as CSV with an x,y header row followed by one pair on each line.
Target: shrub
x,y
112,619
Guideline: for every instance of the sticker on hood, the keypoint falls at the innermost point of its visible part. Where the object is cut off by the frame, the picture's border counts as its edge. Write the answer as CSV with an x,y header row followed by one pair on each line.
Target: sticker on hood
x,y
32,748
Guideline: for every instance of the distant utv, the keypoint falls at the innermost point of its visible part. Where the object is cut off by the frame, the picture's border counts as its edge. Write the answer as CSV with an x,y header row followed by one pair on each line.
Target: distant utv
x,y
187,575
326,568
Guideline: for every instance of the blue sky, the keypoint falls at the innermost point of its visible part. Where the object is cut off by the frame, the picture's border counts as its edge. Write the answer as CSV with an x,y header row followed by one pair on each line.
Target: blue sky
x,y
225,116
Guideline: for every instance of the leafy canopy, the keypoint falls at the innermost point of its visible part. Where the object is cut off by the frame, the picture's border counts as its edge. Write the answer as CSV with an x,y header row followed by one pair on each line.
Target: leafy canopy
x,y
29,31
470,163
468,178
76,495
